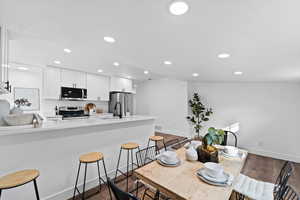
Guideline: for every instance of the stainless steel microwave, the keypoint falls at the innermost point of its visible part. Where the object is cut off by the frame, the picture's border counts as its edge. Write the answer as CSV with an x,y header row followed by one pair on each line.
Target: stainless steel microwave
x,y
73,93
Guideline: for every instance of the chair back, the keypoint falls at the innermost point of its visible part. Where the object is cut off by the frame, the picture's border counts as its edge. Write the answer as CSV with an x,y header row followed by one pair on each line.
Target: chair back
x,y
140,156
289,194
120,194
224,143
282,179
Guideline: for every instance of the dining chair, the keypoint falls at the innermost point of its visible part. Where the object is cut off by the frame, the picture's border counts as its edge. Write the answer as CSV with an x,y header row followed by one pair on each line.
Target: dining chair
x,y
282,179
227,133
177,143
141,161
289,194
255,189
120,194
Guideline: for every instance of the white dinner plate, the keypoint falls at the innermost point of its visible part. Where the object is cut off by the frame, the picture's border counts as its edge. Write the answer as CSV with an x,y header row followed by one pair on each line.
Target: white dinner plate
x,y
163,163
225,184
222,179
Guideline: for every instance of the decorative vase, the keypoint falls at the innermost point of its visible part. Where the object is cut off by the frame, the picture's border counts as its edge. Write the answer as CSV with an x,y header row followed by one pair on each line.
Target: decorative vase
x,y
191,154
207,156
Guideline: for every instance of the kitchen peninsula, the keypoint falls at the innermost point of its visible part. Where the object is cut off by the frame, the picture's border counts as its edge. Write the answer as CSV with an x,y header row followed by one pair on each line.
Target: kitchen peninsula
x,y
55,147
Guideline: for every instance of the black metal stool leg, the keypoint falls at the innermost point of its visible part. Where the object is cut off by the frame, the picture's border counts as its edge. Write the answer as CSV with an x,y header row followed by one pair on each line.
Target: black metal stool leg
x,y
0,193
146,152
127,175
132,161
85,171
76,180
106,178
36,190
156,148
164,144
99,176
118,164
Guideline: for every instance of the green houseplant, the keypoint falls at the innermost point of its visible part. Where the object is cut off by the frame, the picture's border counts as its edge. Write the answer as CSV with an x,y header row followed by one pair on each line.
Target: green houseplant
x,y
199,113
207,152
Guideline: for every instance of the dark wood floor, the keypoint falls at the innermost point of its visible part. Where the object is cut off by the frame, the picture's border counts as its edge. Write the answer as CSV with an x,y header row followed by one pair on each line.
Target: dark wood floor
x,y
258,167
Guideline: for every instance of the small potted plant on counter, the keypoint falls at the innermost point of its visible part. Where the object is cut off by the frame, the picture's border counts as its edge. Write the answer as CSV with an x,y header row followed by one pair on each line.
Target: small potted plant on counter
x,y
207,152
199,114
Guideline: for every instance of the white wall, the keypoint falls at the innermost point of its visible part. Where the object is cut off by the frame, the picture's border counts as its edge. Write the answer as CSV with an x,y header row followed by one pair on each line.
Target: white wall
x,y
269,114
167,100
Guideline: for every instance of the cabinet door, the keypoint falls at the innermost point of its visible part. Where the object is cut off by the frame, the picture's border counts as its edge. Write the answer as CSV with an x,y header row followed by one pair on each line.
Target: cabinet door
x,y
52,83
120,84
73,78
97,87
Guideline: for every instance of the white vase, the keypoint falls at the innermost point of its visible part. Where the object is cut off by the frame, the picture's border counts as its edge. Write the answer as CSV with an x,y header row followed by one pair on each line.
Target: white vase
x,y
191,154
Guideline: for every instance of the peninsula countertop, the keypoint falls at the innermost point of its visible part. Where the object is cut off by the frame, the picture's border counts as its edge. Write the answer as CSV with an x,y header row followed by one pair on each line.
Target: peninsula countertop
x,y
51,125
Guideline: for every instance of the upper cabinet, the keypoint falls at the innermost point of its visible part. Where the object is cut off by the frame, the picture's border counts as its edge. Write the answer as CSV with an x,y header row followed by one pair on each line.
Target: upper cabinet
x,y
97,87
71,78
120,84
52,82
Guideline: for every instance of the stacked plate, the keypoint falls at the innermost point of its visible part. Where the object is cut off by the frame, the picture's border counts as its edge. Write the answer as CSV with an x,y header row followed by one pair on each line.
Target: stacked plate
x,y
168,159
213,174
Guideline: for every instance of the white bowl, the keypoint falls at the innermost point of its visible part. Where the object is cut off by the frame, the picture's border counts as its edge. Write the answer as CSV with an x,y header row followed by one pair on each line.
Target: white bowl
x,y
213,169
169,156
231,150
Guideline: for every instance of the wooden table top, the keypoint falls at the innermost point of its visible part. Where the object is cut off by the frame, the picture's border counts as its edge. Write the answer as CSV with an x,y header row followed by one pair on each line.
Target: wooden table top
x,y
182,182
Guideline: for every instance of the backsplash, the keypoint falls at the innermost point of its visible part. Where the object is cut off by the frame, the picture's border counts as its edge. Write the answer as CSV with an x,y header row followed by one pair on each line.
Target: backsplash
x,y
48,106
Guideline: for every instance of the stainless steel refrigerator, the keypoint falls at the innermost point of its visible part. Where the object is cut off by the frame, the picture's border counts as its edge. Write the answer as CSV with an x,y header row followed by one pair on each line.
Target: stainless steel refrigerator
x,y
121,104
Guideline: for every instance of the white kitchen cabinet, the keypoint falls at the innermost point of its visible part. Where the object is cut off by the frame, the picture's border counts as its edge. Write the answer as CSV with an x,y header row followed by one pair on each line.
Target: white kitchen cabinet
x,y
70,78
120,84
97,87
52,82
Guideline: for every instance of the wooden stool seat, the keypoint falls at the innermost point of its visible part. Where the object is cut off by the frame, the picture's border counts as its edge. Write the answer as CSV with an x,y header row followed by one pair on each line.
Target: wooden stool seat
x,y
18,178
91,157
156,138
130,145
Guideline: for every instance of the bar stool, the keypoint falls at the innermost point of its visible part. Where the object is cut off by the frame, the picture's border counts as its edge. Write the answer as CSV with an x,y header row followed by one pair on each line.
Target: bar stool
x,y
155,139
86,159
129,147
20,178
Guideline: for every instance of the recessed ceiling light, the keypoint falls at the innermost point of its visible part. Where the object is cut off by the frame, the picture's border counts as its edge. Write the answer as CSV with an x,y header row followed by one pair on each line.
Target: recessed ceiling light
x,y
22,68
178,7
109,39
57,62
223,55
195,74
99,70
146,72
237,73
67,50
116,64
167,62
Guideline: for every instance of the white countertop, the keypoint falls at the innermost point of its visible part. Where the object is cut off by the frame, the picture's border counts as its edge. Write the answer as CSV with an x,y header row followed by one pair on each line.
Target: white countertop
x,y
72,123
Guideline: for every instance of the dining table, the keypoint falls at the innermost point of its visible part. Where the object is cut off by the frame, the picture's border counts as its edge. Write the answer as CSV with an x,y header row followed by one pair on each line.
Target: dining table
x,y
182,182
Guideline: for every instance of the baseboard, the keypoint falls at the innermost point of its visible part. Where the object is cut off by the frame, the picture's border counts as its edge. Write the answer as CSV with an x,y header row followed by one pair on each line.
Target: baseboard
x,y
276,155
68,192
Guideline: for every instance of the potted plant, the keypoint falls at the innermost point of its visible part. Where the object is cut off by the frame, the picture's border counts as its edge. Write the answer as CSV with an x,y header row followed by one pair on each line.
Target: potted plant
x,y
207,152
199,115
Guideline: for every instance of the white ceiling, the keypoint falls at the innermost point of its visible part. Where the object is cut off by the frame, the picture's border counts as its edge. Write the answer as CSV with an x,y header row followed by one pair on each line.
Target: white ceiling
x,y
262,36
